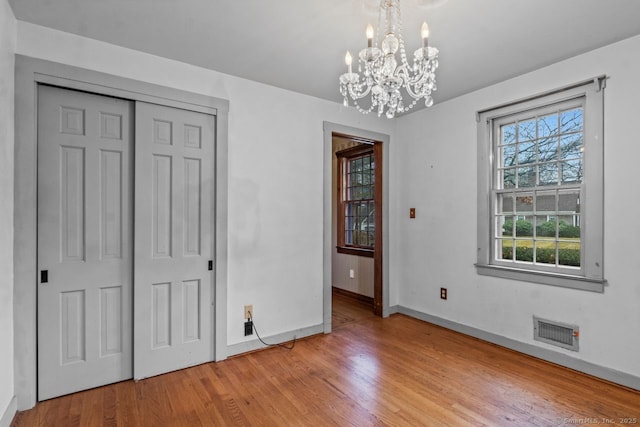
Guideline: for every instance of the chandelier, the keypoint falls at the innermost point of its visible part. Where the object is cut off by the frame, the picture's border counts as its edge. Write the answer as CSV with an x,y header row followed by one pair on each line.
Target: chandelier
x,y
383,76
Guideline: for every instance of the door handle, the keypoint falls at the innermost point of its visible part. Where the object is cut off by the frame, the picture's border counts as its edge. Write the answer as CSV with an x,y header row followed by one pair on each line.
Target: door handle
x,y
210,265
44,276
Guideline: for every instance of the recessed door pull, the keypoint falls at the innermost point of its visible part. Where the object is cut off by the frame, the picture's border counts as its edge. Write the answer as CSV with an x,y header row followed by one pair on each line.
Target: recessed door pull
x,y
44,276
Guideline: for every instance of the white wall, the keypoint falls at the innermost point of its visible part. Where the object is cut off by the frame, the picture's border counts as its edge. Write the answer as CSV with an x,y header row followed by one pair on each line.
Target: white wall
x,y
7,50
437,150
275,175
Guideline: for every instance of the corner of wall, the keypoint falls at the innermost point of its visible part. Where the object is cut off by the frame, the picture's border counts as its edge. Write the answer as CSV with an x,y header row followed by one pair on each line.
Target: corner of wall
x,y
8,35
9,413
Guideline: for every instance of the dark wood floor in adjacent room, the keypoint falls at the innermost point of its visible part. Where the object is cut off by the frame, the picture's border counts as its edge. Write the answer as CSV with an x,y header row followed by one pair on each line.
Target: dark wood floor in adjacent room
x,y
369,372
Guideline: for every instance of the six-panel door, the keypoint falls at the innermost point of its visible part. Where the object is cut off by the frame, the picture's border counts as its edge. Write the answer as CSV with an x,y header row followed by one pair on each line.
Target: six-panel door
x,y
174,235
84,241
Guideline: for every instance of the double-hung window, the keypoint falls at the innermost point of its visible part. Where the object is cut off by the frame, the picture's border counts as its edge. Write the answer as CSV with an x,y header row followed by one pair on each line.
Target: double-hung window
x,y
356,204
540,185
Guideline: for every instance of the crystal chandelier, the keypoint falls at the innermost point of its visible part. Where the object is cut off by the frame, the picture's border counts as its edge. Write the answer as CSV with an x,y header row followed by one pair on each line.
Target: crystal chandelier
x,y
382,76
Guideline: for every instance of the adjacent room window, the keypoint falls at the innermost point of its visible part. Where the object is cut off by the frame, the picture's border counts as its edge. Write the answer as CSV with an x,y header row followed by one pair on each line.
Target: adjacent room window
x,y
540,200
356,204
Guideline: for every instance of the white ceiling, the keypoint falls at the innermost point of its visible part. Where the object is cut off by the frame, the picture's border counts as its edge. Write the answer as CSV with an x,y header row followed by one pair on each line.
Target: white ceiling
x,y
300,44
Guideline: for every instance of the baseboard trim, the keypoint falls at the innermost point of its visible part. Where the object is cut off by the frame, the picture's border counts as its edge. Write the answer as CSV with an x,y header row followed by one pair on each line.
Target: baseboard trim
x,y
8,415
392,310
350,294
589,368
255,344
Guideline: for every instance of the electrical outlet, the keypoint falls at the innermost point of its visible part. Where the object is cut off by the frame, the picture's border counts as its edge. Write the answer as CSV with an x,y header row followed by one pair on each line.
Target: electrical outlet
x,y
412,213
248,328
443,293
352,274
248,311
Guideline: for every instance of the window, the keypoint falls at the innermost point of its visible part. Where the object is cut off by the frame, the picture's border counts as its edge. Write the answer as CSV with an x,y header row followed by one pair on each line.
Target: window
x,y
356,204
540,172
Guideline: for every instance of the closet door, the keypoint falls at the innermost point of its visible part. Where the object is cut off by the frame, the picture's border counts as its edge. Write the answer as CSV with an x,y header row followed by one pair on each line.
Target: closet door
x,y
84,241
174,235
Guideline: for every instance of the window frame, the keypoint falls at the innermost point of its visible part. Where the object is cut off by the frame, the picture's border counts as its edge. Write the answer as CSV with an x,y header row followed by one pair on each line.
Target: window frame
x,y
590,275
344,156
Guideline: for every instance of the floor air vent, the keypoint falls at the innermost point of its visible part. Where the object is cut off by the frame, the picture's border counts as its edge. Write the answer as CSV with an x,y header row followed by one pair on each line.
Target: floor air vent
x,y
556,333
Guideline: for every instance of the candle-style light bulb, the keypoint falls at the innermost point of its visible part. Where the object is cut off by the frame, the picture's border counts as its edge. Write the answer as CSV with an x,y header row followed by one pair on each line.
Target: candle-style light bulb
x,y
425,34
347,60
369,35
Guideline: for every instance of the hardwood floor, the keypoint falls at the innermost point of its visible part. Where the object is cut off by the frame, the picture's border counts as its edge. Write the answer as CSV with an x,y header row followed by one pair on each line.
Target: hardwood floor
x,y
347,310
369,372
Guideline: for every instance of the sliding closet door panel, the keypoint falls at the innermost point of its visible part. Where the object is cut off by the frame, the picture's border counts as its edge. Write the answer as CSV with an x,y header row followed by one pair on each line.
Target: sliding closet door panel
x,y
84,241
174,239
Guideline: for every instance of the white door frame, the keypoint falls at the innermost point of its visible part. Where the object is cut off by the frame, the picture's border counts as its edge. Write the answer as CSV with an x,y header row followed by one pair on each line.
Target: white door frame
x,y
29,73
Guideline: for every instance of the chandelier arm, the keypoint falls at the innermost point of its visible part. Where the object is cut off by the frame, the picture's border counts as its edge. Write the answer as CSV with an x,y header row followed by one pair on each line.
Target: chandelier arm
x,y
355,95
409,80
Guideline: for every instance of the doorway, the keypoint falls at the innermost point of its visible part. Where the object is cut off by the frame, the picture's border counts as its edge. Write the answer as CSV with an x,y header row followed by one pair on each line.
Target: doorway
x,y
355,227
355,172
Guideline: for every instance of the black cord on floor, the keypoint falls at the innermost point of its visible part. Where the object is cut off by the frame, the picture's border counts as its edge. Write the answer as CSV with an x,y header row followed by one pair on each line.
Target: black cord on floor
x,y
288,347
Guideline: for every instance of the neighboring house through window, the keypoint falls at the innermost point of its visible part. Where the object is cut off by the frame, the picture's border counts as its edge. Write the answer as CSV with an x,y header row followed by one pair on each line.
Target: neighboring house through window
x,y
540,201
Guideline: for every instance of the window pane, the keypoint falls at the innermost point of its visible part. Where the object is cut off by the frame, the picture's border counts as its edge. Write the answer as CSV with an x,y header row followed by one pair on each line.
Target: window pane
x,y
504,203
524,228
526,152
548,125
524,205
508,134
508,178
527,130
504,249
366,178
526,176
509,155
571,146
545,228
546,252
356,179
571,120
548,149
366,166
571,171
524,250
548,173
504,226
568,204
367,192
546,203
356,193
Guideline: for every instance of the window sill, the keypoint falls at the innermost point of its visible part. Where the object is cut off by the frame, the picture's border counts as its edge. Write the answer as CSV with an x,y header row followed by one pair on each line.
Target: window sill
x,y
355,251
562,280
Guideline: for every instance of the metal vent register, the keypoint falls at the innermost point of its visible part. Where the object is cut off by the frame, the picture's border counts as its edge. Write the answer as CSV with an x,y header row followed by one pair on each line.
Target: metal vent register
x,y
556,333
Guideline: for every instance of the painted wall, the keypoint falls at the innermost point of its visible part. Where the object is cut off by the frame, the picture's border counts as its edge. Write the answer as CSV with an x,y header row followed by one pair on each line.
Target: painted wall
x,y
341,264
275,175
7,50
437,149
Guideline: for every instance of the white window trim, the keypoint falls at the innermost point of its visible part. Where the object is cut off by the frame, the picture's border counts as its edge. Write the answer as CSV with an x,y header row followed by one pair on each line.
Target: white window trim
x,y
591,275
